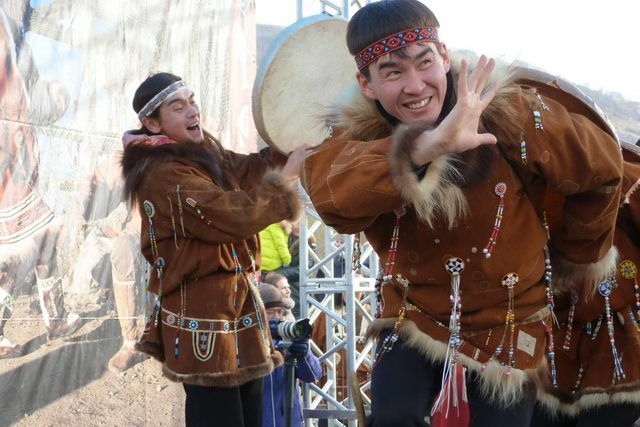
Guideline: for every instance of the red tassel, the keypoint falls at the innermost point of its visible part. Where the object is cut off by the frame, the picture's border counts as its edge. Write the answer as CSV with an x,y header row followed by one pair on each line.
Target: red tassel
x,y
453,410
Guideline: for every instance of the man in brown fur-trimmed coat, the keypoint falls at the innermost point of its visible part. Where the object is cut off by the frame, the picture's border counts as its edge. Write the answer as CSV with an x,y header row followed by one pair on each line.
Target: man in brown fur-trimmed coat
x,y
202,208
596,386
446,180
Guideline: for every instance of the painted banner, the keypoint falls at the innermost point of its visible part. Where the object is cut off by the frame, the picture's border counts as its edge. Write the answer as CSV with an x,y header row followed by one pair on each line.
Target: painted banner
x,y
72,280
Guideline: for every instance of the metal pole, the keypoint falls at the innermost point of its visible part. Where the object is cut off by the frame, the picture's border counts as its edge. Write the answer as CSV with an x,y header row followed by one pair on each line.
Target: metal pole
x,y
299,11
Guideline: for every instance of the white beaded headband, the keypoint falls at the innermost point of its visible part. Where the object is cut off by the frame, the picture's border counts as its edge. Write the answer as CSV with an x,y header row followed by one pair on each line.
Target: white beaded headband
x,y
162,96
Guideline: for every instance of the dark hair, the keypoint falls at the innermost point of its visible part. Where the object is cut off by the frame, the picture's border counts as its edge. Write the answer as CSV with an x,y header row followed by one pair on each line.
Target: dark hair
x,y
212,159
147,90
378,20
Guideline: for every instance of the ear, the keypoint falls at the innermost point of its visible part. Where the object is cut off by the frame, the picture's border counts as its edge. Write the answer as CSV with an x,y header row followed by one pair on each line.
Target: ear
x,y
152,124
445,57
365,86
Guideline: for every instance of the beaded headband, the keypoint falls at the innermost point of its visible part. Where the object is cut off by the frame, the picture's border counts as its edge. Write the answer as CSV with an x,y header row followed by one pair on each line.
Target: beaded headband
x,y
162,96
395,41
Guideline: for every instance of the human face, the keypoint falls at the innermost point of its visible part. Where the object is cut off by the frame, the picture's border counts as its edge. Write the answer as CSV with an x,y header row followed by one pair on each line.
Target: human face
x,y
411,85
275,313
283,286
179,118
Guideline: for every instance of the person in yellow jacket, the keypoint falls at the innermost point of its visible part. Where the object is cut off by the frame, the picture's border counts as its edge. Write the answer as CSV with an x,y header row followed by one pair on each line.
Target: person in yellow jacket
x,y
274,241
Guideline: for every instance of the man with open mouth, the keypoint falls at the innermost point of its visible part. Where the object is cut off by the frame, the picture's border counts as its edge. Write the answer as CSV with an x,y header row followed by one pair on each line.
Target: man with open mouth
x,y
202,207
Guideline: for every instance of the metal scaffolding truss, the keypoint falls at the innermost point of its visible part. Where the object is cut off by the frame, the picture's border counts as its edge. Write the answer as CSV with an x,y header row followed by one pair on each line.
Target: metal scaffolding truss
x,y
342,8
342,301
334,296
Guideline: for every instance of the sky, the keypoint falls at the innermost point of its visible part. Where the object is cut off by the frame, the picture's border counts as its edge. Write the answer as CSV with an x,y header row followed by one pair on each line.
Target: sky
x,y
588,42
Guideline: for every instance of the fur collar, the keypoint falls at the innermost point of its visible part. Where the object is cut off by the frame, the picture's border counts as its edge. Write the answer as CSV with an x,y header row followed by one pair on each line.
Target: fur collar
x,y
138,159
360,119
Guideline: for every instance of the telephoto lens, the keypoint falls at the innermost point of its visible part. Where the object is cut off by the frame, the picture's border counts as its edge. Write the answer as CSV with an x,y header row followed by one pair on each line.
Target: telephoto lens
x,y
286,331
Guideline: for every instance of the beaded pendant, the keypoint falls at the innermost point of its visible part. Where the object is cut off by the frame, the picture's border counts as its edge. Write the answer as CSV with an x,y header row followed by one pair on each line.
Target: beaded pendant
x,y
537,120
238,271
180,210
523,151
191,202
392,338
548,281
537,117
181,316
150,211
509,282
449,384
173,220
604,288
500,190
386,273
575,387
573,299
551,354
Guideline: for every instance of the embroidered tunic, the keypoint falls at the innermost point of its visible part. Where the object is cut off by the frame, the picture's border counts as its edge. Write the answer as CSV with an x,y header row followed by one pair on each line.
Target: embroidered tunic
x,y
360,176
212,327
585,362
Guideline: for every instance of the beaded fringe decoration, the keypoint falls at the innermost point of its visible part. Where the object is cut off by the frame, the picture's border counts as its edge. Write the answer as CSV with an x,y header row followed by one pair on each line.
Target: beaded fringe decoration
x,y
604,288
523,151
180,325
537,117
150,211
572,310
238,270
575,387
551,355
448,395
509,281
500,190
385,274
392,338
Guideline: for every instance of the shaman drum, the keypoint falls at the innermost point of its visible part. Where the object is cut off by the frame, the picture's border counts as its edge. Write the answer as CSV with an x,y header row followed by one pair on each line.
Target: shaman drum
x,y
305,70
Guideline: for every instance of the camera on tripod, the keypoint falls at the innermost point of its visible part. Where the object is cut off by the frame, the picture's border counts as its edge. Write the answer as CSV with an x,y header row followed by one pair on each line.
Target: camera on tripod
x,y
286,331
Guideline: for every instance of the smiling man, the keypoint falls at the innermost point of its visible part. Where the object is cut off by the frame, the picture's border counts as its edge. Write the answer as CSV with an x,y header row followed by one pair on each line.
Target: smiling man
x,y
202,207
445,171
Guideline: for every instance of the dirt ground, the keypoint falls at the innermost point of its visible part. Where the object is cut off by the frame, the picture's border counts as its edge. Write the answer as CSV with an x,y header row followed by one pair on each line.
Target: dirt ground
x,y
66,382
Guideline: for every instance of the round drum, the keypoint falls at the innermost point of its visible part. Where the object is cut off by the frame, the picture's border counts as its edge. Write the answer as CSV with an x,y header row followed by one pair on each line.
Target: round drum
x,y
307,67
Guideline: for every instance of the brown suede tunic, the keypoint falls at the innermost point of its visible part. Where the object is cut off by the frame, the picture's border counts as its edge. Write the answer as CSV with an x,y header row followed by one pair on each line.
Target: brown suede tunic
x,y
211,312
359,177
586,365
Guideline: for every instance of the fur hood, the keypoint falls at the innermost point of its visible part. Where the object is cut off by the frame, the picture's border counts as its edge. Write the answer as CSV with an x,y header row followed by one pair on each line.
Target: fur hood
x,y
138,158
441,192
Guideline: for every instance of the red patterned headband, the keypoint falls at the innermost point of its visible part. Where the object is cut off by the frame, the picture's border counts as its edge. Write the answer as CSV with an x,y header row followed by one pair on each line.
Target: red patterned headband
x,y
396,41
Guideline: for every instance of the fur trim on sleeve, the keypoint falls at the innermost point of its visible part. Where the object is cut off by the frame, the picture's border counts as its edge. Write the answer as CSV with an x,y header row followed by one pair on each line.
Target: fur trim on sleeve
x,y
568,275
435,194
274,180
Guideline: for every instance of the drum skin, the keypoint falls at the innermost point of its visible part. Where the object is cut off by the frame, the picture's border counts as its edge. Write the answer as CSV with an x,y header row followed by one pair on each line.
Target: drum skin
x,y
305,70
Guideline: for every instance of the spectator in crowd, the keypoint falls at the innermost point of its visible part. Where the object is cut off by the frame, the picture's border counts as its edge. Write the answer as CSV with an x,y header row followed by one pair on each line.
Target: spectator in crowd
x,y
307,367
281,283
274,241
